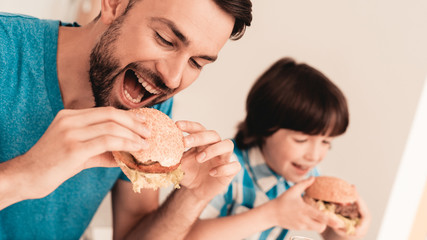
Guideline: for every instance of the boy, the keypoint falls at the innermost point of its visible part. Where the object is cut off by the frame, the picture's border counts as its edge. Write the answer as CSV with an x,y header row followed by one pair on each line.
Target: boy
x,y
293,114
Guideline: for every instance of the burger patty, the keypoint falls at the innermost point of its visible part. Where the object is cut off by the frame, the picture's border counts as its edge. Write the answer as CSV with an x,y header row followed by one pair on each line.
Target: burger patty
x,y
146,167
348,210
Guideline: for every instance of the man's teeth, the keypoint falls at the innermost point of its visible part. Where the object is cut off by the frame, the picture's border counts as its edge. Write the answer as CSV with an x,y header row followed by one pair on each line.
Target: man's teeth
x,y
130,98
147,86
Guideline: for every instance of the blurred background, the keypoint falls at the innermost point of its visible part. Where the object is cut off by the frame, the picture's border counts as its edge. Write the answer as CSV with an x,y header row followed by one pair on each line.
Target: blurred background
x,y
374,50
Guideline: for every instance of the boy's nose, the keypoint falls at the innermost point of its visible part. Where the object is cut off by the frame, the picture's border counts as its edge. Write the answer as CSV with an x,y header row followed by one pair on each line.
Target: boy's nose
x,y
313,153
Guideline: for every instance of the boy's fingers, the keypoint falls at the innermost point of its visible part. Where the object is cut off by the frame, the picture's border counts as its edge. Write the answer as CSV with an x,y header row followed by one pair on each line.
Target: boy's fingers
x,y
304,184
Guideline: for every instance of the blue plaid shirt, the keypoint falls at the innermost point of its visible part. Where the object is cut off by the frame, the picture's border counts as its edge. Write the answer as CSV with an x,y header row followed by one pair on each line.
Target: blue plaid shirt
x,y
254,185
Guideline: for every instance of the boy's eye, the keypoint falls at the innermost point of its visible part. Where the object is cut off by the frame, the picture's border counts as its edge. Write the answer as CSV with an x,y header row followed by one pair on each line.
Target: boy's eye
x,y
327,143
300,140
163,40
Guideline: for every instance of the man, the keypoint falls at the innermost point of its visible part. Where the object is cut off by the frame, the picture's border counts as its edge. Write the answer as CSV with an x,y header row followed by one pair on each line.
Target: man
x,y
55,163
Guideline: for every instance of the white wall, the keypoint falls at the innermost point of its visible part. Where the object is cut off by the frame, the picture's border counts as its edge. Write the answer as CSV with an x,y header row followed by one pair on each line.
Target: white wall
x,y
374,50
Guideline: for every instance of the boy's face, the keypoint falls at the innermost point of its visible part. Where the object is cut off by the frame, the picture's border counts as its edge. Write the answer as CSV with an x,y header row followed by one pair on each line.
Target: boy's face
x,y
157,50
294,154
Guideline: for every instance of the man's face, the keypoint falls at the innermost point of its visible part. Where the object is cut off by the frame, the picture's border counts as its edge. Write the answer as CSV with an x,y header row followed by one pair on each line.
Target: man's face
x,y
156,50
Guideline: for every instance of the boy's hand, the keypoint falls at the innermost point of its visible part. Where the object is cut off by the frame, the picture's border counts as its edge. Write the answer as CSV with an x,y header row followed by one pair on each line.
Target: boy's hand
x,y
361,227
294,213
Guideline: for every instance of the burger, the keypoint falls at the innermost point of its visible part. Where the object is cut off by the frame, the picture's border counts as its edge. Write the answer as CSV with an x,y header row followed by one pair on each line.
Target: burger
x,y
159,165
336,197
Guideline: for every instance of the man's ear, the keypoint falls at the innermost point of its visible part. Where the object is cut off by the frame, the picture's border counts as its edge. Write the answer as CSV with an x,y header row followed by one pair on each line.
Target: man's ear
x,y
112,9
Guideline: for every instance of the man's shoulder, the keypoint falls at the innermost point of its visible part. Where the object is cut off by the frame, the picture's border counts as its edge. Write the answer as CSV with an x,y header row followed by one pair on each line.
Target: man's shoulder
x,y
11,20
14,16
24,37
14,24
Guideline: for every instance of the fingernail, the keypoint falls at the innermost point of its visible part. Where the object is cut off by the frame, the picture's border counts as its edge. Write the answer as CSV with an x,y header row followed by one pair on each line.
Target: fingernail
x,y
188,141
213,172
180,124
201,157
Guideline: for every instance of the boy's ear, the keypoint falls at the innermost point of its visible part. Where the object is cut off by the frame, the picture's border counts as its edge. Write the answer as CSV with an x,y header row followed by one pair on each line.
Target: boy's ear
x,y
112,9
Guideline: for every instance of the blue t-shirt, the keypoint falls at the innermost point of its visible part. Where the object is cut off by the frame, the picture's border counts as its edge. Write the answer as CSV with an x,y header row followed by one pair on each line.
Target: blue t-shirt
x,y
254,185
30,99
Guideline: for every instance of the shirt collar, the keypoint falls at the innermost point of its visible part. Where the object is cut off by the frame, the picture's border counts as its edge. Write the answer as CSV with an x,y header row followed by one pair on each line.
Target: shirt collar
x,y
263,176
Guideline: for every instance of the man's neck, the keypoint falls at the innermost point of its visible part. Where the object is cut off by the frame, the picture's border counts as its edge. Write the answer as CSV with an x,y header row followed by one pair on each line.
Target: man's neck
x,y
74,47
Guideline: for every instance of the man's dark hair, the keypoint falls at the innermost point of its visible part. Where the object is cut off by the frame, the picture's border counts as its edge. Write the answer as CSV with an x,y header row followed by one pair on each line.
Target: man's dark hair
x,y
241,10
292,96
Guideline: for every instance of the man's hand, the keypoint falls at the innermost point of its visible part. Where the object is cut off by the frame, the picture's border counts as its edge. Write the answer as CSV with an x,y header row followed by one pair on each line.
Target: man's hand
x,y
207,166
76,140
207,173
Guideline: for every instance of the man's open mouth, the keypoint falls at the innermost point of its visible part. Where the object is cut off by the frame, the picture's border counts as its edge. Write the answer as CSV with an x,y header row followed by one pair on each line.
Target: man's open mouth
x,y
136,89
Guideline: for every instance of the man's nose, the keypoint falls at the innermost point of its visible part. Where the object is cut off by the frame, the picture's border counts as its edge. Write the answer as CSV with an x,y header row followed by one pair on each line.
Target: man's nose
x,y
171,70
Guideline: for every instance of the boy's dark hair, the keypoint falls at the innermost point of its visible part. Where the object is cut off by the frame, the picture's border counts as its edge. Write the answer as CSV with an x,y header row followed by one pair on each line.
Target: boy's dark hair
x,y
241,10
292,96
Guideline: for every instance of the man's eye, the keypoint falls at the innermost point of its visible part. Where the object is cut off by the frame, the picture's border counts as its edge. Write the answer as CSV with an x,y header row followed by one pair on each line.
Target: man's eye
x,y
195,64
164,41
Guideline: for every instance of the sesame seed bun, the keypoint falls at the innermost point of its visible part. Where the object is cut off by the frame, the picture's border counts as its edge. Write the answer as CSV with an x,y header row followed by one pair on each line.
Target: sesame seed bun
x,y
157,166
332,189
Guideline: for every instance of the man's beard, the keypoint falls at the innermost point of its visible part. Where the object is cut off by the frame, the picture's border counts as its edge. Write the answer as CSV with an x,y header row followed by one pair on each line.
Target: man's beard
x,y
104,66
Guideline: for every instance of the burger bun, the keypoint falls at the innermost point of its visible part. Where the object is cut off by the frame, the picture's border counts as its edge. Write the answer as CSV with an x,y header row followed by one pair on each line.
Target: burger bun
x,y
159,165
332,189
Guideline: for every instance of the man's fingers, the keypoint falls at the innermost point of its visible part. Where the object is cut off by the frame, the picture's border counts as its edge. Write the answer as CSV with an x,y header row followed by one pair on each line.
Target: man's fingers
x,y
103,160
201,138
108,128
189,126
225,170
107,143
224,148
86,117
